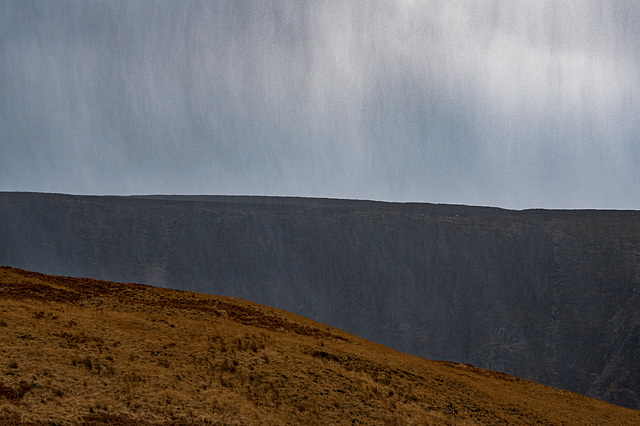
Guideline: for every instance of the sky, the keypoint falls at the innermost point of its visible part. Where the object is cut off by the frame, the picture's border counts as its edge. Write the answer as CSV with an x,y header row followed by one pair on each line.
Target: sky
x,y
499,103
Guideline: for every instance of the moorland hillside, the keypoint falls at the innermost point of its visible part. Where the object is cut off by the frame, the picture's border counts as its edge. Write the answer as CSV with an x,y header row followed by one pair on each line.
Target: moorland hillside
x,y
81,351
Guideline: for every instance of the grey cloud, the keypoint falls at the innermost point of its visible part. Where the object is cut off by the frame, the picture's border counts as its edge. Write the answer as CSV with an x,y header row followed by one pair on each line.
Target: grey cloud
x,y
495,103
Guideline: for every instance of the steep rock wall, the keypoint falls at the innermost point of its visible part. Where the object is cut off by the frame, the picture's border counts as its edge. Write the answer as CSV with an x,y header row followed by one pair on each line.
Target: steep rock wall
x,y
548,295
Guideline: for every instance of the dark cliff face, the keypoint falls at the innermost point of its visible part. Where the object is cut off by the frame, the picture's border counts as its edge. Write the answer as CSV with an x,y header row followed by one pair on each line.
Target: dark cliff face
x,y
548,295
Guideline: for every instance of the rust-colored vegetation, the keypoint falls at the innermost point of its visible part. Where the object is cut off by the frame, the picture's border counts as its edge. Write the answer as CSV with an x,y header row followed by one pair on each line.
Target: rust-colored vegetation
x,y
76,351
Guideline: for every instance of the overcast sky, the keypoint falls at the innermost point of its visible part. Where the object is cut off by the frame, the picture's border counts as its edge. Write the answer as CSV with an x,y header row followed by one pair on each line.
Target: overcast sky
x,y
503,103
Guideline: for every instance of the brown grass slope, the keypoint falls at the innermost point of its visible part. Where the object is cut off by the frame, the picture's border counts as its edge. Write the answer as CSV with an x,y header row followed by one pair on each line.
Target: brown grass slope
x,y
83,351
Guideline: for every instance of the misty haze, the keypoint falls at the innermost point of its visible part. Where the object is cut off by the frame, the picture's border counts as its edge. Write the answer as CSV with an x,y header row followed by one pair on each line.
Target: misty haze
x,y
492,103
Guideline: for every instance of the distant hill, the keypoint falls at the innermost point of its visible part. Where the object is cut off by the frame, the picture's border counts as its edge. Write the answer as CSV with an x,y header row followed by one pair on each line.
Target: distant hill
x,y
77,350
551,296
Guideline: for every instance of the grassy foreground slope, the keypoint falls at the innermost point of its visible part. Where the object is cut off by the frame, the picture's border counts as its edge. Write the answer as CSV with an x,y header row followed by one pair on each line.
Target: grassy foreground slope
x,y
76,350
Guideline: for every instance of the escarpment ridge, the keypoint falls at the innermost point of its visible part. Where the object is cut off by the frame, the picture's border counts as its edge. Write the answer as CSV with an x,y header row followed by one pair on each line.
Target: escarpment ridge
x,y
552,296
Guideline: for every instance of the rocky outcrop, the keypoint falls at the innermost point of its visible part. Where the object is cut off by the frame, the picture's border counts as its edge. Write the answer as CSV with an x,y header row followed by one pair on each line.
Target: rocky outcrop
x,y
551,296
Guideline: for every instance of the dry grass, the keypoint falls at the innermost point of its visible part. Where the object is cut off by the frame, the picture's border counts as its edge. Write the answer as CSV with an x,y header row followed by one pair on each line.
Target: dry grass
x,y
83,351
